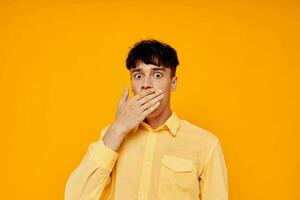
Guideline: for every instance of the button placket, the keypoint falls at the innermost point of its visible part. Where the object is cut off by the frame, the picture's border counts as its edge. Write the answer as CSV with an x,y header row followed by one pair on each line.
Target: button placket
x,y
147,165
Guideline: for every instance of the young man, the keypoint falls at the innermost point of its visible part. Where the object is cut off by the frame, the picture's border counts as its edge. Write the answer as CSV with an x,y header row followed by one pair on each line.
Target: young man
x,y
148,152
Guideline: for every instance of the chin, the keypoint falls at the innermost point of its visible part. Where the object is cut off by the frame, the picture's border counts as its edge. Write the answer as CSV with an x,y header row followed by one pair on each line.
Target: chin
x,y
155,113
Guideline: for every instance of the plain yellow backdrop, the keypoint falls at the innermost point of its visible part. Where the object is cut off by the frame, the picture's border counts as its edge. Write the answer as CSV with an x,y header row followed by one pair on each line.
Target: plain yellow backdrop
x,y
62,72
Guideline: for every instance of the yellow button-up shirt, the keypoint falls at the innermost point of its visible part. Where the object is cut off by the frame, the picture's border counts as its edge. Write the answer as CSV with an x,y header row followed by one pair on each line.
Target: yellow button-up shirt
x,y
177,160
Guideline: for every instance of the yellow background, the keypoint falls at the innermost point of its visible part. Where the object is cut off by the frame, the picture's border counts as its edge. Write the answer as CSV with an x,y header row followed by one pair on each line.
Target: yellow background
x,y
62,72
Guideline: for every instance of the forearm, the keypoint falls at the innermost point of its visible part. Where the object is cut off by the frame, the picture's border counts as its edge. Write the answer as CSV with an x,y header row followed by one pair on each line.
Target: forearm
x,y
114,136
91,176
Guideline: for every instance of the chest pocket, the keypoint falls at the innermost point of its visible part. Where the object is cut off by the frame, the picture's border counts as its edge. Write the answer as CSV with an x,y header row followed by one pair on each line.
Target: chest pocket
x,y
177,164
178,178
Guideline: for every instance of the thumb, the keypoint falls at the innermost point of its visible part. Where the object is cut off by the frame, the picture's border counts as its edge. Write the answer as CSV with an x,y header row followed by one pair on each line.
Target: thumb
x,y
124,96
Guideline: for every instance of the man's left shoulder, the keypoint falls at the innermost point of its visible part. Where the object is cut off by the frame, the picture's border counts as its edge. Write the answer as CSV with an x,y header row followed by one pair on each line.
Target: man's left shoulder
x,y
197,132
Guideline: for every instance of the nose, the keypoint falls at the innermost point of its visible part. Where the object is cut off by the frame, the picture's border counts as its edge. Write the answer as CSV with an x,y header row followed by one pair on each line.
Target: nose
x,y
147,83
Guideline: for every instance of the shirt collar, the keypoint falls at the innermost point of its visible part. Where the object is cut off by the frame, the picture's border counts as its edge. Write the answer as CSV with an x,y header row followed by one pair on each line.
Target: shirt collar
x,y
172,124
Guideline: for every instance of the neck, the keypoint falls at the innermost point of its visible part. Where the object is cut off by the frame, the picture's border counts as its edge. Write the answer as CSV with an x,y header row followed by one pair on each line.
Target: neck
x,y
160,119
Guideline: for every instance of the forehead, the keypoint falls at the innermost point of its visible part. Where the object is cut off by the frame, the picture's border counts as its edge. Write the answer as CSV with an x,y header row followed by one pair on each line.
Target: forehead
x,y
142,67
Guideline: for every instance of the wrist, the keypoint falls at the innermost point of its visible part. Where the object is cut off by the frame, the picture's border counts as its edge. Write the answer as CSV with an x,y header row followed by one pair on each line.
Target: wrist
x,y
118,128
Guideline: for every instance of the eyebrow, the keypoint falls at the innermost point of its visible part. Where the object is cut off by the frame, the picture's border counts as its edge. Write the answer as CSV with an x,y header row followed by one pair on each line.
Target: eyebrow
x,y
154,69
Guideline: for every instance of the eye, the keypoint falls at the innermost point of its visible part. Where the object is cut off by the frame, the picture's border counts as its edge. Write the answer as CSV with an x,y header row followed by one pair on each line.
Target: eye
x,y
158,75
137,76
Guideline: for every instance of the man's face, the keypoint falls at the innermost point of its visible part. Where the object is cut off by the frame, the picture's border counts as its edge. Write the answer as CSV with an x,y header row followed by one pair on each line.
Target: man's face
x,y
146,76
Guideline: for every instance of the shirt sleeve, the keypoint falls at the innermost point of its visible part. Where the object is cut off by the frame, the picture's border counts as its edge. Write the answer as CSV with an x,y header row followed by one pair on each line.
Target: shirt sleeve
x,y
213,179
90,177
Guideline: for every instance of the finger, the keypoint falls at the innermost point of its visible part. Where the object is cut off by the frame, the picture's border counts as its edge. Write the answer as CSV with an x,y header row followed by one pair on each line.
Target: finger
x,y
152,102
150,110
124,96
149,97
142,94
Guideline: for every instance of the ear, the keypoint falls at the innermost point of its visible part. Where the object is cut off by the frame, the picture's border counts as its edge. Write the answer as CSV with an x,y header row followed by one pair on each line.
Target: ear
x,y
174,83
130,75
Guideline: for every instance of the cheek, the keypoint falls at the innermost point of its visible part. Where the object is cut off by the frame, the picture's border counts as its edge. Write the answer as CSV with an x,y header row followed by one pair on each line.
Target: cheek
x,y
165,99
134,89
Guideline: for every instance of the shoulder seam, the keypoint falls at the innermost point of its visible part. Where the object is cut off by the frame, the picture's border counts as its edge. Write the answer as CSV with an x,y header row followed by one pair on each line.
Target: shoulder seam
x,y
211,151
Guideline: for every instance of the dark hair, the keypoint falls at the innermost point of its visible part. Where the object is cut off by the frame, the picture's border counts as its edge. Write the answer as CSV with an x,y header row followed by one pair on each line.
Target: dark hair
x,y
153,52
